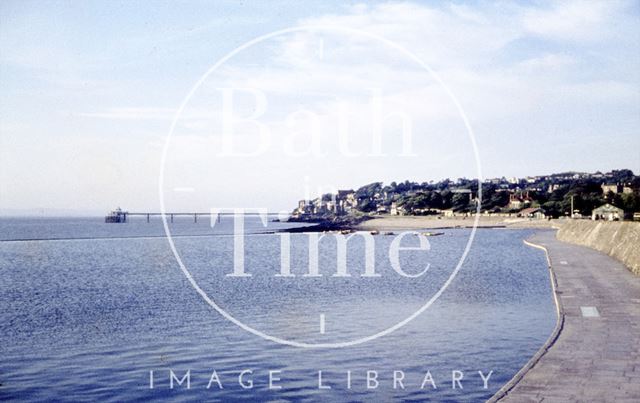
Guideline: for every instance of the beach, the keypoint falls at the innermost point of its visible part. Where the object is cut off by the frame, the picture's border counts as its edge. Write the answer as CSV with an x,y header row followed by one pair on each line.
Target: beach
x,y
390,223
615,238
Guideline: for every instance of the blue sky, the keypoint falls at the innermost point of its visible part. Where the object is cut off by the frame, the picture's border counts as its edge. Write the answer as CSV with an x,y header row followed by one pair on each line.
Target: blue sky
x,y
88,91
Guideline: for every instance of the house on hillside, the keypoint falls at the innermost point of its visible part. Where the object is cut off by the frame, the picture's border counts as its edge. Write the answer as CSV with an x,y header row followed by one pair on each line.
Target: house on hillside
x,y
346,201
553,187
611,187
616,188
607,212
320,206
304,207
396,210
382,209
519,201
467,192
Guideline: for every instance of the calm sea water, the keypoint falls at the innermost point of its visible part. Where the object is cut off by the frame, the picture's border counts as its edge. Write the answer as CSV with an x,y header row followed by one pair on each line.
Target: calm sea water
x,y
89,309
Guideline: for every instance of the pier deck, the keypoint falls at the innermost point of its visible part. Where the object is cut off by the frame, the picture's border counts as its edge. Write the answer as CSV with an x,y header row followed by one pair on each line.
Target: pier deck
x,y
596,355
119,216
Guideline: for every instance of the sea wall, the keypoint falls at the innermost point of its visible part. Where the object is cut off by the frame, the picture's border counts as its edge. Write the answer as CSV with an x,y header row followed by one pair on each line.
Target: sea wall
x,y
620,240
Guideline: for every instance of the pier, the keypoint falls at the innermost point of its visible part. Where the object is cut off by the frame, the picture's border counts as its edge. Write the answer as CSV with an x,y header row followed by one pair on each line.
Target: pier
x,y
172,215
120,216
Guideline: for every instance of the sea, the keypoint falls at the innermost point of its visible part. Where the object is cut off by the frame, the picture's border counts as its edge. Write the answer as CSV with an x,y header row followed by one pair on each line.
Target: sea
x,y
195,311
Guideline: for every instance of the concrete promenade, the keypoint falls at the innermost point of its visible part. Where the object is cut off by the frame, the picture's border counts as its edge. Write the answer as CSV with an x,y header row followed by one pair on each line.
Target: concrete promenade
x,y
594,355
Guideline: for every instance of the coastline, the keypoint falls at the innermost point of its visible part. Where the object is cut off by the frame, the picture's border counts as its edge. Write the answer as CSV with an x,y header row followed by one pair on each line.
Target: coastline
x,y
595,298
387,223
617,239
553,337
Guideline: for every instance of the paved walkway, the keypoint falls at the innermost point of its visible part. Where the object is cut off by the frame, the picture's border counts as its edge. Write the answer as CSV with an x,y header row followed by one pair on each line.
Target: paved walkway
x,y
596,356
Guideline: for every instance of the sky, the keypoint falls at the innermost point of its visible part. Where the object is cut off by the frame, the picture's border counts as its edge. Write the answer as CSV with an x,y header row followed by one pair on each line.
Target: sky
x,y
89,92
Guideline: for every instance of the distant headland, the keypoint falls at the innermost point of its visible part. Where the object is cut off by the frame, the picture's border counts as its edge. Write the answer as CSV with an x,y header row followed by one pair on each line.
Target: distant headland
x,y
613,196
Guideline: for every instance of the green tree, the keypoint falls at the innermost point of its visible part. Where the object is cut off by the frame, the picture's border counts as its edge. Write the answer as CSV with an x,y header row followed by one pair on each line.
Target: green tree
x,y
460,201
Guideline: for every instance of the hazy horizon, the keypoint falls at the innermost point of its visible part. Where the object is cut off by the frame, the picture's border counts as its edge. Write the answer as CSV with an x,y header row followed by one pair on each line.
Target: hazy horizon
x,y
89,93
61,212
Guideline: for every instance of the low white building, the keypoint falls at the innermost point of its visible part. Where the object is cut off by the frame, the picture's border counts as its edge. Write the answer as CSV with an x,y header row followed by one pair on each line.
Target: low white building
x,y
607,212
532,212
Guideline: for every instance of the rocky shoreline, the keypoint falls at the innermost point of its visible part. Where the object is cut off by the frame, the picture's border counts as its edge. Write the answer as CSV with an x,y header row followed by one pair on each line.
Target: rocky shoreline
x,y
329,223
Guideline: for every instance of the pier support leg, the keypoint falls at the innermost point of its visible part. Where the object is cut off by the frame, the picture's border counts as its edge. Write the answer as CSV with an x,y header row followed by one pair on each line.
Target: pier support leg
x,y
171,217
147,217
195,218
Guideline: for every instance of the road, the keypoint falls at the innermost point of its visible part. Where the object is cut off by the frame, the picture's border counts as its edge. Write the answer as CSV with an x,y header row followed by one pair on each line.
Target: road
x,y
596,353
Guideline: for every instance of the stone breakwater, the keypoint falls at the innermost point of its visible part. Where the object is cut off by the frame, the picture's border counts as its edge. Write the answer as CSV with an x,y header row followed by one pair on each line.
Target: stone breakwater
x,y
620,240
